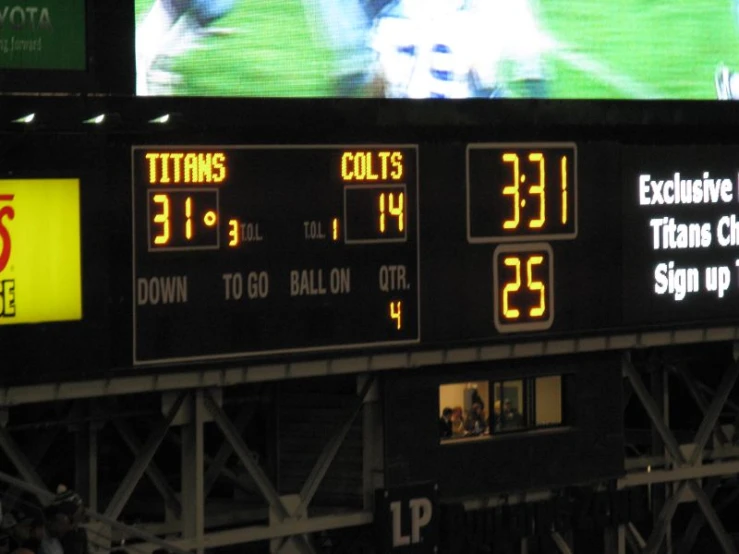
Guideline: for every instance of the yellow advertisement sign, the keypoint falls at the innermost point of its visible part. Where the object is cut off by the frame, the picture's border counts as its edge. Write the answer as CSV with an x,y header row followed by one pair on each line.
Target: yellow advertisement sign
x,y
40,260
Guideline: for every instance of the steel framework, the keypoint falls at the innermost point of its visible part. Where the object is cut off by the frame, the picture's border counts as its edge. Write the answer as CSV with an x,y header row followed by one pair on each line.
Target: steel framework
x,y
676,473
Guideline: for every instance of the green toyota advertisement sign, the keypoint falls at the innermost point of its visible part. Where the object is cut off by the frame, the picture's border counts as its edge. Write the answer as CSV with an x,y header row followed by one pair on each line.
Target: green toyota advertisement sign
x,y
42,34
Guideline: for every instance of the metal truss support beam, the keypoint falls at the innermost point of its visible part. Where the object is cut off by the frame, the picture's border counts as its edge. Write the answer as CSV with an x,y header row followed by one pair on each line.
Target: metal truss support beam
x,y
92,465
727,544
123,493
633,545
315,477
224,452
634,538
288,528
663,521
706,426
700,400
236,479
329,452
561,543
372,446
728,500
684,473
193,468
85,451
697,521
652,410
257,473
614,540
217,518
37,451
702,436
659,392
152,470
245,456
711,392
628,395
727,454
19,459
714,411
709,422
85,461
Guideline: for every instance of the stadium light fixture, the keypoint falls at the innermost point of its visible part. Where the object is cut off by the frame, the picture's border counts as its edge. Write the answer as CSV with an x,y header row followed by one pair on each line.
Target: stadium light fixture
x,y
161,119
26,119
97,120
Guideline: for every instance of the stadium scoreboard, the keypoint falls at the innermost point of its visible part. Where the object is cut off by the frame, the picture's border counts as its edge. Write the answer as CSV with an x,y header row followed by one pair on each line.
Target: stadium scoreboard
x,y
259,250
246,250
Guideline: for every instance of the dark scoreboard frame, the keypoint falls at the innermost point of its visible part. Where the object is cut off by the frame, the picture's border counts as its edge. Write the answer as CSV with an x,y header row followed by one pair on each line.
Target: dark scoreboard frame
x,y
456,276
277,172
599,273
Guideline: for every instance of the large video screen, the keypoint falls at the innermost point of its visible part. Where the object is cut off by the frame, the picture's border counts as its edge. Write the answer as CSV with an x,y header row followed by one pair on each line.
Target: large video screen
x,y
574,49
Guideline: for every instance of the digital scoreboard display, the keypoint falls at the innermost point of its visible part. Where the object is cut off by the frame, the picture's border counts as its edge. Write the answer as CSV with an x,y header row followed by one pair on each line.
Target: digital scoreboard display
x,y
246,251
250,250
521,192
517,196
523,287
681,234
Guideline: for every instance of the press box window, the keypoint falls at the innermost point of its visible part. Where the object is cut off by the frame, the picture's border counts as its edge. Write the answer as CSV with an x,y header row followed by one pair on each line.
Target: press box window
x,y
510,405
484,408
463,410
548,400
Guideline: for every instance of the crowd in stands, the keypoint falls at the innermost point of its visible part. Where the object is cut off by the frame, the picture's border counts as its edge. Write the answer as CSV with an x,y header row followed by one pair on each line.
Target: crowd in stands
x,y
55,529
59,528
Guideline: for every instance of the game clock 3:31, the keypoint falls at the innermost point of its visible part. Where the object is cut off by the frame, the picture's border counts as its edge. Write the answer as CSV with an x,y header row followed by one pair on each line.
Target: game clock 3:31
x,y
521,192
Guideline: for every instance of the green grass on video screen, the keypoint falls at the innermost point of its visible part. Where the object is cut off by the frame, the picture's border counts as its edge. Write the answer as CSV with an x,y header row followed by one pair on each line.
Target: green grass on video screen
x,y
623,49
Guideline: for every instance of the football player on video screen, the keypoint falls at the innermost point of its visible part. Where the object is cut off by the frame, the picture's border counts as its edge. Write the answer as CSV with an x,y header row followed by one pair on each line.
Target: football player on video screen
x,y
455,49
